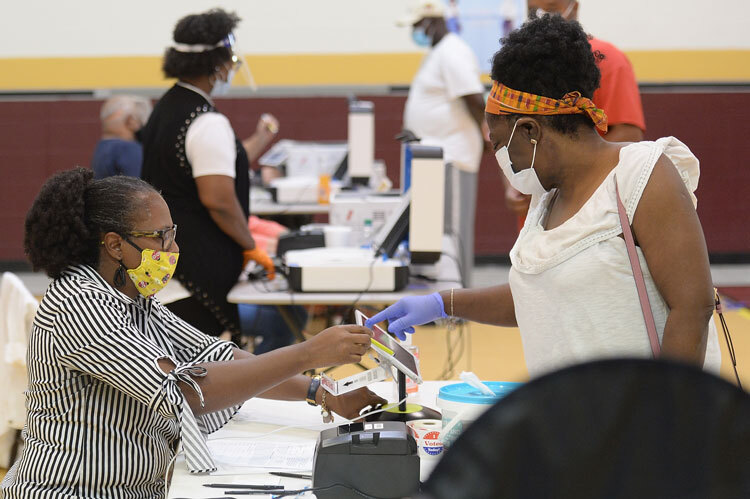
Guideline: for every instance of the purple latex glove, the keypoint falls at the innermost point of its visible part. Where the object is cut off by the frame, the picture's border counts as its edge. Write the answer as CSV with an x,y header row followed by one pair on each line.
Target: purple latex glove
x,y
408,312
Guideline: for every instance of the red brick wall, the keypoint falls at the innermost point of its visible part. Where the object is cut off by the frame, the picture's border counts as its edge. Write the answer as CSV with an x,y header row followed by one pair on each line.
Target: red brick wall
x,y
716,127
38,138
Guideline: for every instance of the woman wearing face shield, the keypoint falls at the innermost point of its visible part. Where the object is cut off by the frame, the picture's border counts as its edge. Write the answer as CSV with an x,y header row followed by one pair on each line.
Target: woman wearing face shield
x,y
571,288
192,156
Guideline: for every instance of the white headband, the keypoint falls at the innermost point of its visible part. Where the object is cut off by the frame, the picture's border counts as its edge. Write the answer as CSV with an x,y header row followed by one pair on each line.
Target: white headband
x,y
227,42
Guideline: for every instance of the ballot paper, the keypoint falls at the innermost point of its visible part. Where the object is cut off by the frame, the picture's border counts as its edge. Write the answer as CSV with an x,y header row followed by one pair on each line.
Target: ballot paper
x,y
247,453
281,413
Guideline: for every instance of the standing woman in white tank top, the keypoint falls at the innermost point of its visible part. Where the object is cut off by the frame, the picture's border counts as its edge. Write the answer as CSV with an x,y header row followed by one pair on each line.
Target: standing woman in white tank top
x,y
571,290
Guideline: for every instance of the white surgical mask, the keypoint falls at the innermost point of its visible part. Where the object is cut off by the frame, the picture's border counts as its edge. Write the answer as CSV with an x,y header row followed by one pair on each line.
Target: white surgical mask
x,y
525,181
221,87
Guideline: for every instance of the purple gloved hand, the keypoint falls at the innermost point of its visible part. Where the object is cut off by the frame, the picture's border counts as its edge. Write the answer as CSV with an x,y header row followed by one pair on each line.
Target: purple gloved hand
x,y
408,312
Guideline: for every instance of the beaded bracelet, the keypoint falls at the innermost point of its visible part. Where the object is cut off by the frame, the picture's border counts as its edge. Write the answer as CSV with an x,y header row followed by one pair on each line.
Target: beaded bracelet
x,y
324,410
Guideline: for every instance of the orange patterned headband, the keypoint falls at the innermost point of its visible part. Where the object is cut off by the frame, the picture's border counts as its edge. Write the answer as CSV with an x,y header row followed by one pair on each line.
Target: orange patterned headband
x,y
504,100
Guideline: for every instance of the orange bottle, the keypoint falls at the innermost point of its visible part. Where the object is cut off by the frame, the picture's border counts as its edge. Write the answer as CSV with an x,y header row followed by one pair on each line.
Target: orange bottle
x,y
324,188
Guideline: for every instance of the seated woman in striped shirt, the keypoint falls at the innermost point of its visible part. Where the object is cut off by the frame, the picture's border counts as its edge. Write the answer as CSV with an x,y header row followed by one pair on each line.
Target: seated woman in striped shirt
x,y
115,379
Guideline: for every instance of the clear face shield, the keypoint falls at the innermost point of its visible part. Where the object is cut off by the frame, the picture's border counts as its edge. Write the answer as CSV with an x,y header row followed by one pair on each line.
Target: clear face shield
x,y
244,75
239,63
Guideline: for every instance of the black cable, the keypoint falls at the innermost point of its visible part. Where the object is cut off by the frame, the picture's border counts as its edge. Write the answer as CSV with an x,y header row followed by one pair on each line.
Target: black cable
x,y
448,367
318,489
291,293
423,277
460,344
266,289
727,337
452,361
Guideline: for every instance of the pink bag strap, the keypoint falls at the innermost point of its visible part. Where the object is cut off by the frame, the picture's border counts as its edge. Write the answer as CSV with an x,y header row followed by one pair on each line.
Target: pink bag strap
x,y
640,284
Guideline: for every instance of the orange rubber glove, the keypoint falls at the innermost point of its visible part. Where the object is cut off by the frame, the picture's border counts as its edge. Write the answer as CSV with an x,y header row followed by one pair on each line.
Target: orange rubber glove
x,y
260,256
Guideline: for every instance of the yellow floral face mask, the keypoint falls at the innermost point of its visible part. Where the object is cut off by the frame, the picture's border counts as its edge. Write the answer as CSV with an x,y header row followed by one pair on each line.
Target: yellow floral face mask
x,y
154,272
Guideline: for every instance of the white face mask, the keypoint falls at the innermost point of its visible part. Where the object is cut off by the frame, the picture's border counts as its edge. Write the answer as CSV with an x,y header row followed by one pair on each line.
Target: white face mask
x,y
525,181
221,87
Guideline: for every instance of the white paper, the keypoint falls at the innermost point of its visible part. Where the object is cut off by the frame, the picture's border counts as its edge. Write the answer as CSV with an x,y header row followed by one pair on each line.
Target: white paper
x,y
280,413
244,453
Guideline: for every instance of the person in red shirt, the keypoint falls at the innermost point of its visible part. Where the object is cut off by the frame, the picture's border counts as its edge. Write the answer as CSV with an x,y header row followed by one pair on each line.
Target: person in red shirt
x,y
617,94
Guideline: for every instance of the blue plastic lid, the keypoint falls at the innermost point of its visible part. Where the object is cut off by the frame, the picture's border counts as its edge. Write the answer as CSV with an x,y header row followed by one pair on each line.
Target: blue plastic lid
x,y
464,392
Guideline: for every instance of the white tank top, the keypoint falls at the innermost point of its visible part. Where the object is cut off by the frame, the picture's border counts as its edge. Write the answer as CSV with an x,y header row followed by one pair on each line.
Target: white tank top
x,y
573,289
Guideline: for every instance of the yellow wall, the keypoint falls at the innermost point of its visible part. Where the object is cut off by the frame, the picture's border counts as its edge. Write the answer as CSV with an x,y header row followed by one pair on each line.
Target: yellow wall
x,y
62,73
691,65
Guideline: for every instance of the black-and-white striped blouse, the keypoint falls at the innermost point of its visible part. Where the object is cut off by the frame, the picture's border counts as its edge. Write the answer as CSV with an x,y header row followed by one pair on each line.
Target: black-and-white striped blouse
x,y
103,419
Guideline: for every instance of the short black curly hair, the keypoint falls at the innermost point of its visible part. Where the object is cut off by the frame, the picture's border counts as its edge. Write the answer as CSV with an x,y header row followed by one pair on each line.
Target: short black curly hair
x,y
207,28
549,56
72,212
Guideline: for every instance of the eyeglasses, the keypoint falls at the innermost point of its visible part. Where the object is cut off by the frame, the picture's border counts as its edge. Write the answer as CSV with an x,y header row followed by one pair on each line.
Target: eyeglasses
x,y
167,236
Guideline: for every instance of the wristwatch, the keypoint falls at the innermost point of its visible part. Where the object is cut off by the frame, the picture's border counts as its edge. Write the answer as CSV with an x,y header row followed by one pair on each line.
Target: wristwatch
x,y
312,390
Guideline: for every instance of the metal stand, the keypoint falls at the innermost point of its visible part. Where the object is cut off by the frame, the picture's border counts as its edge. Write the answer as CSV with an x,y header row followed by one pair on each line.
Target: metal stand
x,y
407,412
402,392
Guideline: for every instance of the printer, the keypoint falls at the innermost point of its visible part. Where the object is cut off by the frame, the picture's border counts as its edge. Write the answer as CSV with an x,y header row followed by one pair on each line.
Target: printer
x,y
293,190
378,459
363,269
302,238
352,208
344,269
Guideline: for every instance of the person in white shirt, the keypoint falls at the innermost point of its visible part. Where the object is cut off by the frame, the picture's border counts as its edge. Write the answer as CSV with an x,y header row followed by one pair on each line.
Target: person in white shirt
x,y
445,108
571,289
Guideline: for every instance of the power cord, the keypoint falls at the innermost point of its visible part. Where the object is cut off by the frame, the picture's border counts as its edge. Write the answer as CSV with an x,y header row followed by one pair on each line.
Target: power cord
x,y
448,369
423,277
286,493
452,357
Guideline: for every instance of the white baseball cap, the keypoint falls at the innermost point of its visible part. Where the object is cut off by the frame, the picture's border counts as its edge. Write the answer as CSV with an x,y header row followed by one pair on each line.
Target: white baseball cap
x,y
423,8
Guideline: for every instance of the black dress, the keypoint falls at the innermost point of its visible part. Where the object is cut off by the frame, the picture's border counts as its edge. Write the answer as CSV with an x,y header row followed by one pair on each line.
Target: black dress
x,y
210,261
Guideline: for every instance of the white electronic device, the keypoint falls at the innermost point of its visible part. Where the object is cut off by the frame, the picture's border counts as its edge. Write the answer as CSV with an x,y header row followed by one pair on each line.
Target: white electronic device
x,y
427,212
389,353
343,269
353,208
353,382
361,141
307,158
293,190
